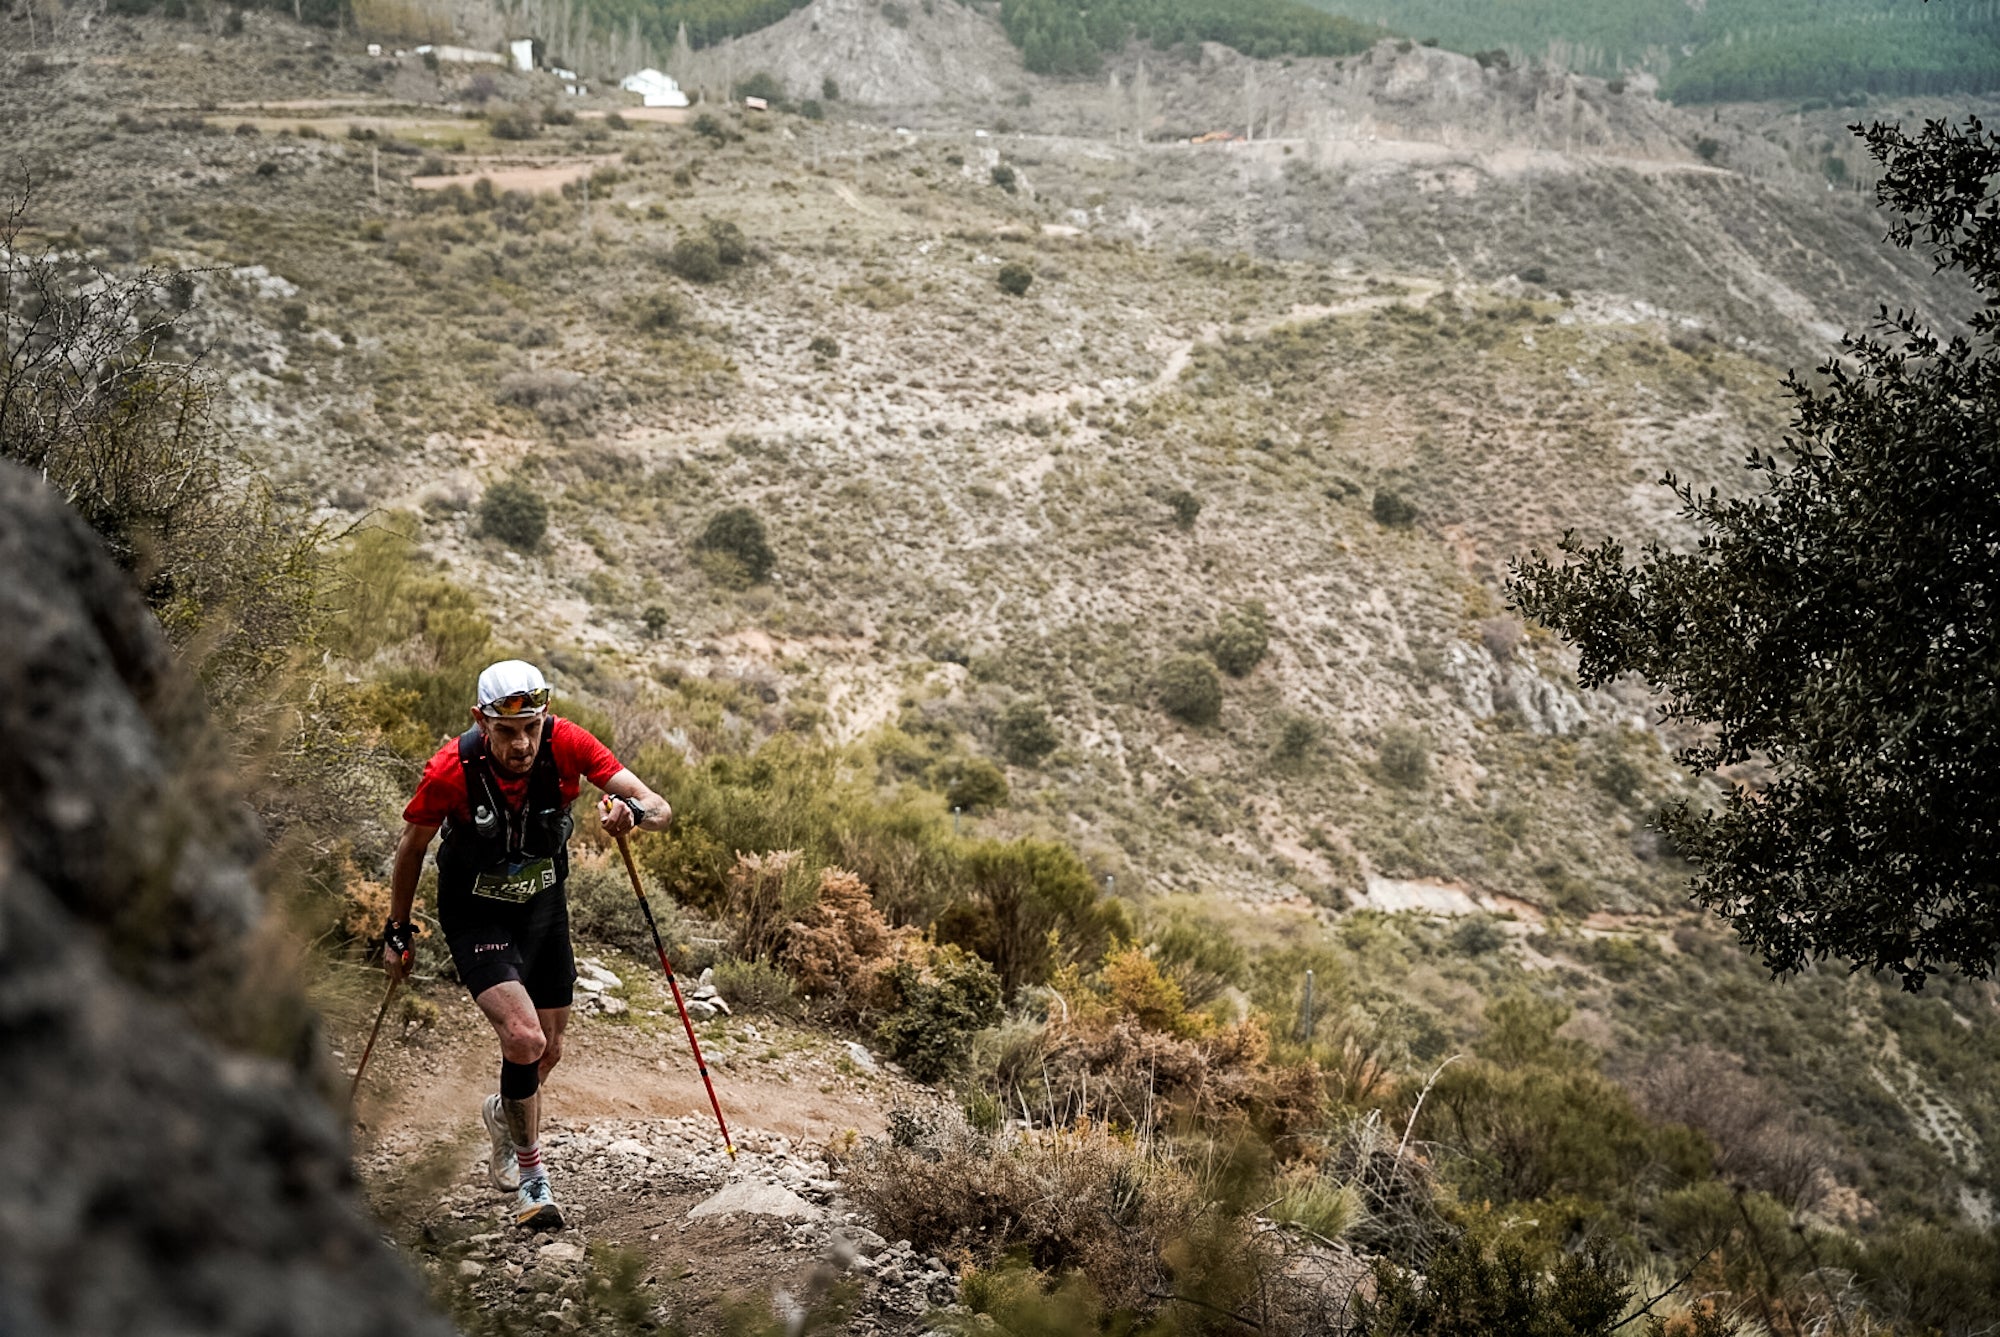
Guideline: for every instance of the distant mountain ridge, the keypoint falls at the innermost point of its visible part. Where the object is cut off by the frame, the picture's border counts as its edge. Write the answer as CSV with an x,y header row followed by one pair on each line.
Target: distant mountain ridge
x,y
1725,50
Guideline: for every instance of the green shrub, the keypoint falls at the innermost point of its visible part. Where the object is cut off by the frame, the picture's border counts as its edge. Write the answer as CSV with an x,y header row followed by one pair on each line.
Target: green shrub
x,y
1021,894
602,909
738,535
514,124
938,1010
696,258
1317,1203
1464,1292
1391,510
1477,935
731,247
1298,737
824,346
754,986
829,88
1620,777
660,312
1404,756
514,513
1933,1278
1025,733
762,84
972,783
1015,278
1200,957
1185,506
1240,642
1532,1118
1003,177
1189,690
708,127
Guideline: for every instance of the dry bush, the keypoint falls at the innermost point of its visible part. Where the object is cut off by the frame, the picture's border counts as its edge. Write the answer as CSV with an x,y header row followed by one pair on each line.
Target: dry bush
x,y
841,947
365,908
1080,1199
1395,1188
1759,1141
559,398
762,894
1123,1071
1350,1052
1097,1229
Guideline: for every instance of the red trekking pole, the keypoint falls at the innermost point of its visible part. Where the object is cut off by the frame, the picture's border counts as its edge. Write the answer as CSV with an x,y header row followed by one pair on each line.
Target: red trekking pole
x,y
646,909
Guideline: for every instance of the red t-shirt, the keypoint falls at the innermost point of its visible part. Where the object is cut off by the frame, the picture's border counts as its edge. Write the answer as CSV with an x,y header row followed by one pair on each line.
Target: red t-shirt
x,y
441,793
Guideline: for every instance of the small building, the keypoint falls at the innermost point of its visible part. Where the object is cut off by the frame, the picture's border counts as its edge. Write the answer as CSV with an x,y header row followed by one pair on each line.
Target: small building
x,y
523,51
654,88
756,104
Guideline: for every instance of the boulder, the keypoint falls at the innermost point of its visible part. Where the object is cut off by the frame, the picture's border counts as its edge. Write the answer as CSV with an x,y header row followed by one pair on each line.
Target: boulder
x,y
188,1172
748,1198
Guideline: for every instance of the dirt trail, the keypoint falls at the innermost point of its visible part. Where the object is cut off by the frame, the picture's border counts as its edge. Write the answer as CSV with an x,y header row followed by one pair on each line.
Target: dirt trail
x,y
430,1084
633,1150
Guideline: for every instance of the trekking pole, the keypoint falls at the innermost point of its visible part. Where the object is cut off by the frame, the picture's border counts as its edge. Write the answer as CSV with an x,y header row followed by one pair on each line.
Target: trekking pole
x,y
387,997
646,908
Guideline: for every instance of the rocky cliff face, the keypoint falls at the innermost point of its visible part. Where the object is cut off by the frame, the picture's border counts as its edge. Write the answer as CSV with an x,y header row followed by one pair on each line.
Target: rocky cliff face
x,y
173,1168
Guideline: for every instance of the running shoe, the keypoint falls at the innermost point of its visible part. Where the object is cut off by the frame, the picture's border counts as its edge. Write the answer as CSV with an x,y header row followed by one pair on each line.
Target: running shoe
x,y
501,1167
535,1207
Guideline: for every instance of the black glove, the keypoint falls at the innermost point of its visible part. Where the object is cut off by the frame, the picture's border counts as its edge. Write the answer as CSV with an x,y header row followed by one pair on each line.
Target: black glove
x,y
401,938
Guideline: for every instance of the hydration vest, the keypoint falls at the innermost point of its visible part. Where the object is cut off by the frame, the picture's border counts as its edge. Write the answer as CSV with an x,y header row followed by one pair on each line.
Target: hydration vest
x,y
498,838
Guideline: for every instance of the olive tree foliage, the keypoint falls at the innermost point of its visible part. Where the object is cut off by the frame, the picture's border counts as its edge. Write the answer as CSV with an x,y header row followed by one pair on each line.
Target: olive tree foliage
x,y
100,398
1841,622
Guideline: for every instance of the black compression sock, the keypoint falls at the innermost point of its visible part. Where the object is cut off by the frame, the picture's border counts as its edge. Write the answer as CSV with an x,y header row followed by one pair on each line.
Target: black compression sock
x,y
518,1081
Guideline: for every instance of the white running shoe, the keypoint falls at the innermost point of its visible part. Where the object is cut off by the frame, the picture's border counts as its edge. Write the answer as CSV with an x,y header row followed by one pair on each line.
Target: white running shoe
x,y
501,1167
535,1207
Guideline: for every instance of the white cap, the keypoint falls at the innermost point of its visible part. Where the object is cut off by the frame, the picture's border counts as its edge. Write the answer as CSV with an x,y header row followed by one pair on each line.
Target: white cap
x,y
506,678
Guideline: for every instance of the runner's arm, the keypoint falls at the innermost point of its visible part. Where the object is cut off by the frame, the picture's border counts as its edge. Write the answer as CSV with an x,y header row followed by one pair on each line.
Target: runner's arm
x,y
403,890
409,865
625,785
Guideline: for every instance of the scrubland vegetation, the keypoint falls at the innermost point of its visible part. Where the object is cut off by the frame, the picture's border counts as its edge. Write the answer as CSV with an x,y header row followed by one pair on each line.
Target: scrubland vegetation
x,y
1047,738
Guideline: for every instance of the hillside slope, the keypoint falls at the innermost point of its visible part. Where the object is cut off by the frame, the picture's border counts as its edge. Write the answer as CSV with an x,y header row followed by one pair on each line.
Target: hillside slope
x,y
1324,384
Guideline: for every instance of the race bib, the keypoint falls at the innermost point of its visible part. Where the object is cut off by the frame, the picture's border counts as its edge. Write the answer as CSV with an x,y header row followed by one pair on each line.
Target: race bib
x,y
516,885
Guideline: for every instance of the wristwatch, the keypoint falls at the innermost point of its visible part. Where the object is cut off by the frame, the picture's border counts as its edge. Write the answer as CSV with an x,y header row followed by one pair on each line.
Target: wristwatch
x,y
638,809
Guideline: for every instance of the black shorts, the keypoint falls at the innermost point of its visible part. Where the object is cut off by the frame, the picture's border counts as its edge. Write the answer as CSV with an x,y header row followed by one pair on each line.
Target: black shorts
x,y
494,941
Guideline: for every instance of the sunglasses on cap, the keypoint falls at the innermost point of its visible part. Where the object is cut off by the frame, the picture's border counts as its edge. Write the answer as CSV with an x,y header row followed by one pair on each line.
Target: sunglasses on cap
x,y
518,703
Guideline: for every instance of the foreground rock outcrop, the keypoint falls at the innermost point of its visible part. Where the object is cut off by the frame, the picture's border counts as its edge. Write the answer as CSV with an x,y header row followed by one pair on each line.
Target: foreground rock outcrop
x,y
175,1170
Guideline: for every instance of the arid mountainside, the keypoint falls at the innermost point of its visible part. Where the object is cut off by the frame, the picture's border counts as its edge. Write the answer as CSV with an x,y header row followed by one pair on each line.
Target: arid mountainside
x,y
1206,460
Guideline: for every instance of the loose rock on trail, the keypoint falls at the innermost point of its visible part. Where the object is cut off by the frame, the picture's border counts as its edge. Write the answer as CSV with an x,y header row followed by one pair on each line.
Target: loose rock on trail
x,y
639,1169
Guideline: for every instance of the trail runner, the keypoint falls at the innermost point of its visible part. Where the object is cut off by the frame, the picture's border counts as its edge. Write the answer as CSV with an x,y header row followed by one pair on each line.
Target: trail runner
x,y
501,792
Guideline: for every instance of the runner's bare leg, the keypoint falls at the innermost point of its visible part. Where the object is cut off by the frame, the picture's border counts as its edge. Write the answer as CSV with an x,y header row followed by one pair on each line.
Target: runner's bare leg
x,y
522,1040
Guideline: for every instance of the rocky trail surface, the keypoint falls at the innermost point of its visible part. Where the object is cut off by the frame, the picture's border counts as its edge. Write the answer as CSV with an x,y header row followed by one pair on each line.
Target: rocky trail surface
x,y
662,1227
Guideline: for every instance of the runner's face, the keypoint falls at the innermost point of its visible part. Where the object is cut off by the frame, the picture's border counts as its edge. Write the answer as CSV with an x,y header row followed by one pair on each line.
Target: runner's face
x,y
512,743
